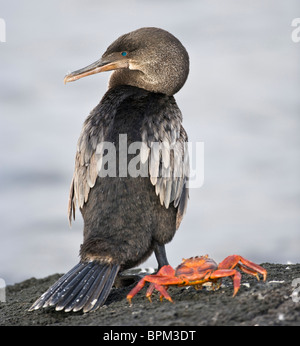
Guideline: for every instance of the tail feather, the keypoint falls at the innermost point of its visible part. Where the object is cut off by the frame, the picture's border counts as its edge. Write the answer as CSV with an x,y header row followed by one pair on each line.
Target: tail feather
x,y
86,286
103,294
68,286
78,288
89,291
51,291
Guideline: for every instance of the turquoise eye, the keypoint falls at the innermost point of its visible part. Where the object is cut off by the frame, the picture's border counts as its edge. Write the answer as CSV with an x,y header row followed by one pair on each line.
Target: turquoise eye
x,y
124,53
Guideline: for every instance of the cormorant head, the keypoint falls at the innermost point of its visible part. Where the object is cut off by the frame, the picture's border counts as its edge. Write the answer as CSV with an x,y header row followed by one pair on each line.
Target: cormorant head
x,y
148,58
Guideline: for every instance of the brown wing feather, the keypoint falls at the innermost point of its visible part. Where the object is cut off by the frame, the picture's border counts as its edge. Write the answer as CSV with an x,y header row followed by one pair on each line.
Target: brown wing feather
x,y
165,146
86,172
169,166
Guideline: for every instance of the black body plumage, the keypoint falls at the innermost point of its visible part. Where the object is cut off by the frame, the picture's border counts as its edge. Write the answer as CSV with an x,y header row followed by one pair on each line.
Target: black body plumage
x,y
126,216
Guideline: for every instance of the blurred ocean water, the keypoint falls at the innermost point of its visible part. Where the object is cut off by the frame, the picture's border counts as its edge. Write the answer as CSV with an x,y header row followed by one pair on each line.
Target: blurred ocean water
x,y
241,99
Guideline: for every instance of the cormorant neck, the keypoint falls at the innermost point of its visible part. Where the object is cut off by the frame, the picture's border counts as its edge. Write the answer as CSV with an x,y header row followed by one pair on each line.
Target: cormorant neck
x,y
145,81
128,77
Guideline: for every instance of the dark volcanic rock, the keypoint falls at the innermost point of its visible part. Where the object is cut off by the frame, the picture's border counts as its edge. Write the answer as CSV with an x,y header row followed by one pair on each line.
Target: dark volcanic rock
x,y
257,303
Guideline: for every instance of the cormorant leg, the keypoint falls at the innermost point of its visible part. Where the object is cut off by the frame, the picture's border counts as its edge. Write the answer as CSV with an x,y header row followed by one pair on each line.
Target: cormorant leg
x,y
161,256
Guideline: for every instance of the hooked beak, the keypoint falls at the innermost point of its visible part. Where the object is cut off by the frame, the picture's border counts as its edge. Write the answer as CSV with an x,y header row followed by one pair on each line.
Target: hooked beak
x,y
100,65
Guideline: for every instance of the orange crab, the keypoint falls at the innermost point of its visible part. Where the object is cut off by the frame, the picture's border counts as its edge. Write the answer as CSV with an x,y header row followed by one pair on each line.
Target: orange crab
x,y
195,271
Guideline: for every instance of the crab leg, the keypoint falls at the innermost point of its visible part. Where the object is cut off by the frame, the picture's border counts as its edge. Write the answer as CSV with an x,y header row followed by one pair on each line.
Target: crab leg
x,y
136,289
159,288
165,276
232,261
248,270
236,277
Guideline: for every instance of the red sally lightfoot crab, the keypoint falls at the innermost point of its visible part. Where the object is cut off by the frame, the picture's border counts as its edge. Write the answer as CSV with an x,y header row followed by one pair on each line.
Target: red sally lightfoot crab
x,y
195,271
